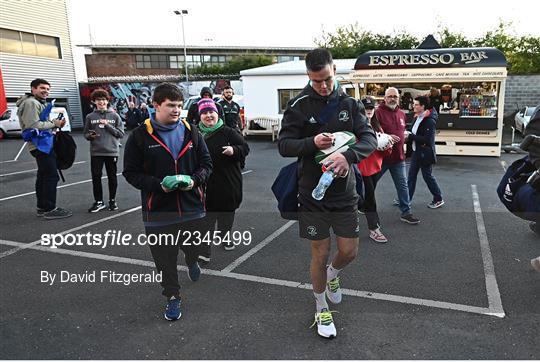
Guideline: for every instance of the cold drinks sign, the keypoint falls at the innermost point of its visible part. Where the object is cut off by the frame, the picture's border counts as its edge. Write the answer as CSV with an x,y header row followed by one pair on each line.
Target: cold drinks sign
x,y
431,58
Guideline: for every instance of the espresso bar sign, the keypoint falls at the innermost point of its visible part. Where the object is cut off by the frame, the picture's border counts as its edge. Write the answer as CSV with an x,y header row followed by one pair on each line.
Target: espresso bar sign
x,y
431,58
426,59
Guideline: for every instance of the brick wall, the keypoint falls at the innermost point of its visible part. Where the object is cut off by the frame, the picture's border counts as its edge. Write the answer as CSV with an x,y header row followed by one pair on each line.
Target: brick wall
x,y
521,90
105,65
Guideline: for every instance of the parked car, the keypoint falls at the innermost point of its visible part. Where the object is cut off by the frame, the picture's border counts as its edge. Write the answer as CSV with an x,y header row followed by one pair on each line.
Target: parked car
x,y
190,101
9,121
183,114
523,117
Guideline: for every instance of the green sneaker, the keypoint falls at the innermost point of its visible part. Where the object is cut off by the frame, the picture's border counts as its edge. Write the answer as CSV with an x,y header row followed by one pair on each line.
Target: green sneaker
x,y
333,290
325,324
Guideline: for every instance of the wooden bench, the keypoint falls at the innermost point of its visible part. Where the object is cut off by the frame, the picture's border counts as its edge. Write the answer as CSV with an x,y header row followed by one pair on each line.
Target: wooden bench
x,y
271,127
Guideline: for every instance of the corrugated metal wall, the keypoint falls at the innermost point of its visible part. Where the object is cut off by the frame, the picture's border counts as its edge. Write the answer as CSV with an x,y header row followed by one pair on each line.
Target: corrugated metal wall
x,y
47,17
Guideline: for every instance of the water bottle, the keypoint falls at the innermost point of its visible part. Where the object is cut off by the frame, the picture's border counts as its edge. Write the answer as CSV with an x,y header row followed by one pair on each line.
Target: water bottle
x,y
324,183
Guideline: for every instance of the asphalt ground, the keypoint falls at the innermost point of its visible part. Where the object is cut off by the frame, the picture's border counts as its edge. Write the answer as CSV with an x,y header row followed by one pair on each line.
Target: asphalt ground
x,y
457,286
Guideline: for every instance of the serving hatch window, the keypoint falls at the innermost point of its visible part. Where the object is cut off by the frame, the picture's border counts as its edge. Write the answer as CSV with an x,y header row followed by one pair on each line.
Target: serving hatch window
x,y
468,99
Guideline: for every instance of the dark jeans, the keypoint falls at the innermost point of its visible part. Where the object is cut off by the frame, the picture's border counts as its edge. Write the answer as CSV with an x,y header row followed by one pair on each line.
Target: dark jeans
x,y
431,183
224,221
96,166
370,204
166,254
399,176
47,179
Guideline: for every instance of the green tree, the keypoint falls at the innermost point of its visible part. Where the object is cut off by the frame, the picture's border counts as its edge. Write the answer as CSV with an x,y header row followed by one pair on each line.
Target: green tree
x,y
447,39
237,64
522,52
525,57
351,40
247,61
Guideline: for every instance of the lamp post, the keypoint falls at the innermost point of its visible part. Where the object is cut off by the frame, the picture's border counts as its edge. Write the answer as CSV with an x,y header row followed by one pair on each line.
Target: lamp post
x,y
182,13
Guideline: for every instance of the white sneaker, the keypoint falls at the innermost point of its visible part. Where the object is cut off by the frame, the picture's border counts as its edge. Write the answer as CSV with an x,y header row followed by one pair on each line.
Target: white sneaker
x,y
325,324
333,290
377,235
535,263
435,204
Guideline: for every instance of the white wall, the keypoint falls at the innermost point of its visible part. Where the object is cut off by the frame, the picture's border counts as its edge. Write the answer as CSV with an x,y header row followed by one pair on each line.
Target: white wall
x,y
47,18
261,93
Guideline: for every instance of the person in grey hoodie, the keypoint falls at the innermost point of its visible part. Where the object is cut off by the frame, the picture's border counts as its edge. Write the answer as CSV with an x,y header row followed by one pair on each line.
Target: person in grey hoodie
x,y
30,111
104,129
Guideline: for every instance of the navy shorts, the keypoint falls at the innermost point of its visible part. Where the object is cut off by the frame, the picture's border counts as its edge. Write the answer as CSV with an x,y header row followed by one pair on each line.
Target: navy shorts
x,y
315,219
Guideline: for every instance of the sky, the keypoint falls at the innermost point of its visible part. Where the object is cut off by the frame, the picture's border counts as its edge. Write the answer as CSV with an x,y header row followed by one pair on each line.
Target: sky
x,y
284,23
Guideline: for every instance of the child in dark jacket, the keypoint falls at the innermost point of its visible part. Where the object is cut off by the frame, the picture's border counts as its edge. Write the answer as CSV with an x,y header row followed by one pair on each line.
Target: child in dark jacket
x,y
168,161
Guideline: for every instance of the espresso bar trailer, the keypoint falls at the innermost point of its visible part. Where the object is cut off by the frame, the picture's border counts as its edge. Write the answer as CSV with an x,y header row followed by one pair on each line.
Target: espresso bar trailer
x,y
465,85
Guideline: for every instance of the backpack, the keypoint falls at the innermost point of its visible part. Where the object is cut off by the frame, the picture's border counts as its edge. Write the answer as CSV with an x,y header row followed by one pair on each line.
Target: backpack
x,y
285,189
519,197
65,149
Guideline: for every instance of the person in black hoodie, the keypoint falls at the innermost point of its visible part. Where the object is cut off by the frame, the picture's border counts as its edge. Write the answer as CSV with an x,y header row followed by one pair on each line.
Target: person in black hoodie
x,y
423,156
169,162
308,122
531,144
193,111
224,188
133,116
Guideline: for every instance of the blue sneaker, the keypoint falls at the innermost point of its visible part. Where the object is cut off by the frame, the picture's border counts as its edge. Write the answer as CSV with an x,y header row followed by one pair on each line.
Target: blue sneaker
x,y
172,311
194,272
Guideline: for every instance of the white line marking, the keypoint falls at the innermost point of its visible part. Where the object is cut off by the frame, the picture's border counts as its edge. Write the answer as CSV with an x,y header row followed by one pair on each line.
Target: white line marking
x,y
59,187
493,294
83,254
246,172
271,281
32,170
363,294
503,164
259,246
8,161
20,151
30,245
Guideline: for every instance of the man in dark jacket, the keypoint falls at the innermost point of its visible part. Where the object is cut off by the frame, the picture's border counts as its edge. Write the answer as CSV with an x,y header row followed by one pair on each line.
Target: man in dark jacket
x,y
423,156
133,116
144,114
308,123
168,161
231,109
531,144
193,116
392,120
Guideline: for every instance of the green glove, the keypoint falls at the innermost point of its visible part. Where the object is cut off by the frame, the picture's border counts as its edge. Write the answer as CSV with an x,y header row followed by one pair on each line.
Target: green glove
x,y
176,181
